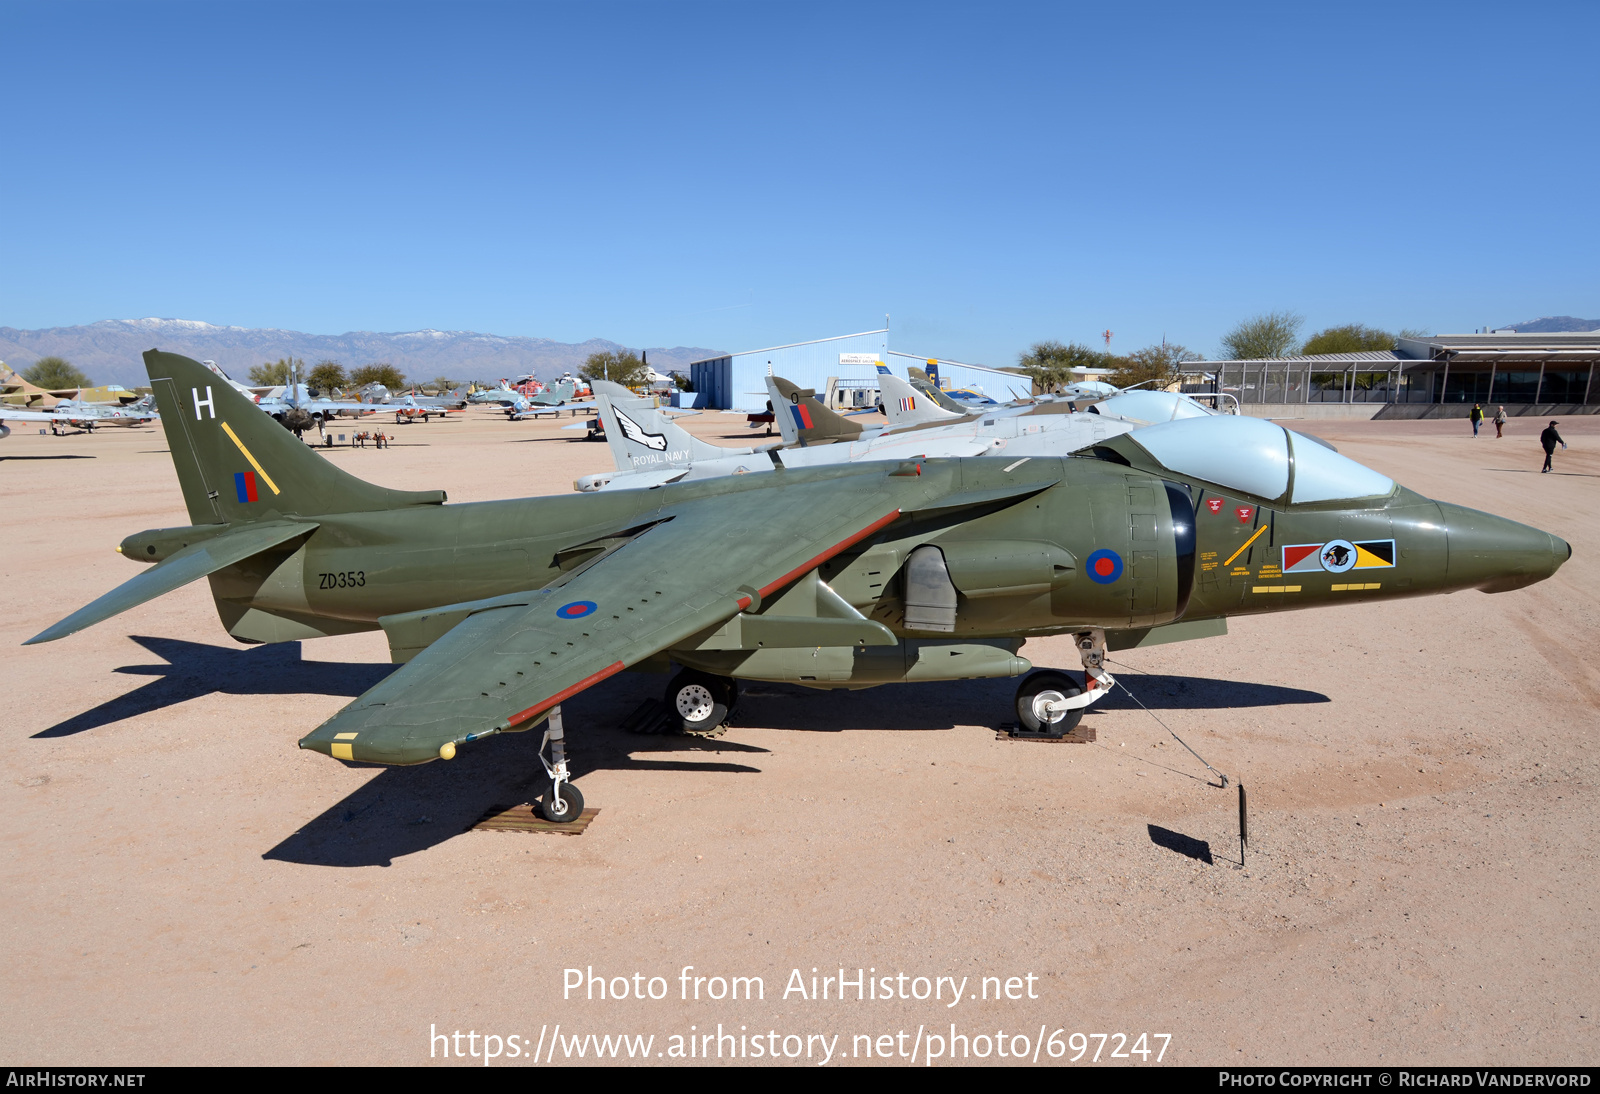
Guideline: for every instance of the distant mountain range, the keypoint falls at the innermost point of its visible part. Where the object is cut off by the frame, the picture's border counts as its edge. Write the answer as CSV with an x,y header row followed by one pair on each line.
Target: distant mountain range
x,y
1554,324
109,351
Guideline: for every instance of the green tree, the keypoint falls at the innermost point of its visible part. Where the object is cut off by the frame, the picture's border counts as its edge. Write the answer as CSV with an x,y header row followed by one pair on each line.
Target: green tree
x,y
273,373
55,373
1156,367
1269,335
328,376
1050,364
619,366
1350,338
380,373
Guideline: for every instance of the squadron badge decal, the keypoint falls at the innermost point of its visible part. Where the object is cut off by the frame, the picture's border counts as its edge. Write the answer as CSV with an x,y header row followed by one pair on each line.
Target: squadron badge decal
x,y
1338,556
633,431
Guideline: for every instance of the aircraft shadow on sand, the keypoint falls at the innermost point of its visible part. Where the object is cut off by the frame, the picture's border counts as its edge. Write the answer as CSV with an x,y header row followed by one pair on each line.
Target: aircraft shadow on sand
x,y
947,704
403,810
194,669
61,457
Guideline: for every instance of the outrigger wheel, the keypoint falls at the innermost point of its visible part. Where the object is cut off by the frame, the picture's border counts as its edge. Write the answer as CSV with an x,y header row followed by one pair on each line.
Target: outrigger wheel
x,y
701,702
1034,695
560,810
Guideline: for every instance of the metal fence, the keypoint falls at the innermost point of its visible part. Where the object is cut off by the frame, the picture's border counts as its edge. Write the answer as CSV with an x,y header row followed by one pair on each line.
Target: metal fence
x,y
1433,382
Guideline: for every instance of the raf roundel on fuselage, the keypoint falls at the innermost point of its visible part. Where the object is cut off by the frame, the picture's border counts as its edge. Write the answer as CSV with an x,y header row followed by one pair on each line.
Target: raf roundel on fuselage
x,y
1254,456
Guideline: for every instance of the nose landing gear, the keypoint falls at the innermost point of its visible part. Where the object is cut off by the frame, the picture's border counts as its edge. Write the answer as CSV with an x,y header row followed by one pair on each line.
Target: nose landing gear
x,y
1050,704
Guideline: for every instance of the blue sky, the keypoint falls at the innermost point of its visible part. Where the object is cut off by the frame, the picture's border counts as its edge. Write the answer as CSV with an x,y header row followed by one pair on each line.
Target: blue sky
x,y
739,175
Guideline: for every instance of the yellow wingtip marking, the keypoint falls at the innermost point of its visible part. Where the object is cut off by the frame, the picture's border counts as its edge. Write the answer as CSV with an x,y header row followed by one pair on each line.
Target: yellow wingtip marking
x,y
1231,557
266,478
345,736
343,752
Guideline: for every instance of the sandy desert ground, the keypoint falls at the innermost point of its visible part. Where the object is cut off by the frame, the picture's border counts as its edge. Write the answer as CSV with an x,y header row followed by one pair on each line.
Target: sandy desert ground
x,y
181,884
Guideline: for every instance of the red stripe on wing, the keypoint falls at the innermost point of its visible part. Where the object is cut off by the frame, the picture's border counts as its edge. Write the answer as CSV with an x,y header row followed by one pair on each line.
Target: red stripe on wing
x,y
587,681
803,568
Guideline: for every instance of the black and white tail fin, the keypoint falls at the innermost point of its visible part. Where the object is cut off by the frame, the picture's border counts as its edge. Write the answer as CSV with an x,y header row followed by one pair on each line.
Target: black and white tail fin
x,y
641,437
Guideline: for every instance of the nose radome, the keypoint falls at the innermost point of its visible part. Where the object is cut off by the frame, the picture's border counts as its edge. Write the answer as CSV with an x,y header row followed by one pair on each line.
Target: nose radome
x,y
1497,555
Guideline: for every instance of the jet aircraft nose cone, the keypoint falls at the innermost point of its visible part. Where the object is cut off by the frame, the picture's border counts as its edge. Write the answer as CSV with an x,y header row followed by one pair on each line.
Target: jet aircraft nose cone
x,y
1497,555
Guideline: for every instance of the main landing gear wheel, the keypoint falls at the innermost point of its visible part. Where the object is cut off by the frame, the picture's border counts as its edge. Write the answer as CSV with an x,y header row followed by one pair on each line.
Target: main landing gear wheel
x,y
1033,696
701,702
563,807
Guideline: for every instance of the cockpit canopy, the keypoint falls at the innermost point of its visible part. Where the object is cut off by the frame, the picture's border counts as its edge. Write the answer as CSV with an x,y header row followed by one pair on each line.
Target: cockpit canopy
x,y
1151,406
1254,456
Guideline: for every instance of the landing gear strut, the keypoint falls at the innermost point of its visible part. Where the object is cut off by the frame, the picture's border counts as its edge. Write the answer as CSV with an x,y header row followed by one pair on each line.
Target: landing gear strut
x,y
562,802
1050,704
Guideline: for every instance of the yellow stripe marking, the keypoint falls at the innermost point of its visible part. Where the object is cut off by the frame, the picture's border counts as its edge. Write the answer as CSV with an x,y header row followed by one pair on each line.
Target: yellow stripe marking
x,y
1231,557
1275,588
1358,588
266,478
343,752
345,736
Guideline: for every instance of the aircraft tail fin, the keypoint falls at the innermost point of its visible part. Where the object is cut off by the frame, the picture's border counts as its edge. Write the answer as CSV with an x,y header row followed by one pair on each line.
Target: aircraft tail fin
x,y
236,464
804,419
921,381
640,436
905,405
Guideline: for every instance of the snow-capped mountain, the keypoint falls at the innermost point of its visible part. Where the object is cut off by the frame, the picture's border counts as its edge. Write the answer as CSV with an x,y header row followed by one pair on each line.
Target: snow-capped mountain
x,y
109,350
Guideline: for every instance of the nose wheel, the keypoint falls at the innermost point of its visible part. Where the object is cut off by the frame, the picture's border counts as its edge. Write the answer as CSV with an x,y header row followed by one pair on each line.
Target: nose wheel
x,y
1050,704
1041,704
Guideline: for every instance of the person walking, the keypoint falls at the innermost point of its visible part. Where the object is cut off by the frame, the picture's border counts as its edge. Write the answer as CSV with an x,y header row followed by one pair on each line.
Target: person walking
x,y
1499,422
1549,439
1477,418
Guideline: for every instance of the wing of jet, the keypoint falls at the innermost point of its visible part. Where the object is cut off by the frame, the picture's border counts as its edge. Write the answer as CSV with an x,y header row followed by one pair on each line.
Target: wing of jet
x,y
509,661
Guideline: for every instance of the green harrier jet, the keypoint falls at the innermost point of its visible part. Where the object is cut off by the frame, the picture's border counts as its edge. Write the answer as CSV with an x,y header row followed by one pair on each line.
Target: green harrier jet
x,y
831,577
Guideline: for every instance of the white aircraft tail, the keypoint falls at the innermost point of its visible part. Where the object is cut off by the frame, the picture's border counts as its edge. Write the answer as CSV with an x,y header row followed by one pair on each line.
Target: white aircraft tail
x,y
905,405
641,438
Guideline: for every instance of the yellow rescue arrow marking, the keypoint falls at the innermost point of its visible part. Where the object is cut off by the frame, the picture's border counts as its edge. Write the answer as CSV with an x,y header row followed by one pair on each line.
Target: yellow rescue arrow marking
x,y
1231,557
266,478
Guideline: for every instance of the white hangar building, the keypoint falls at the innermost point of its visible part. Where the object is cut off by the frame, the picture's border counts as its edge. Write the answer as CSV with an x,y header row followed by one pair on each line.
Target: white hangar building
x,y
846,365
